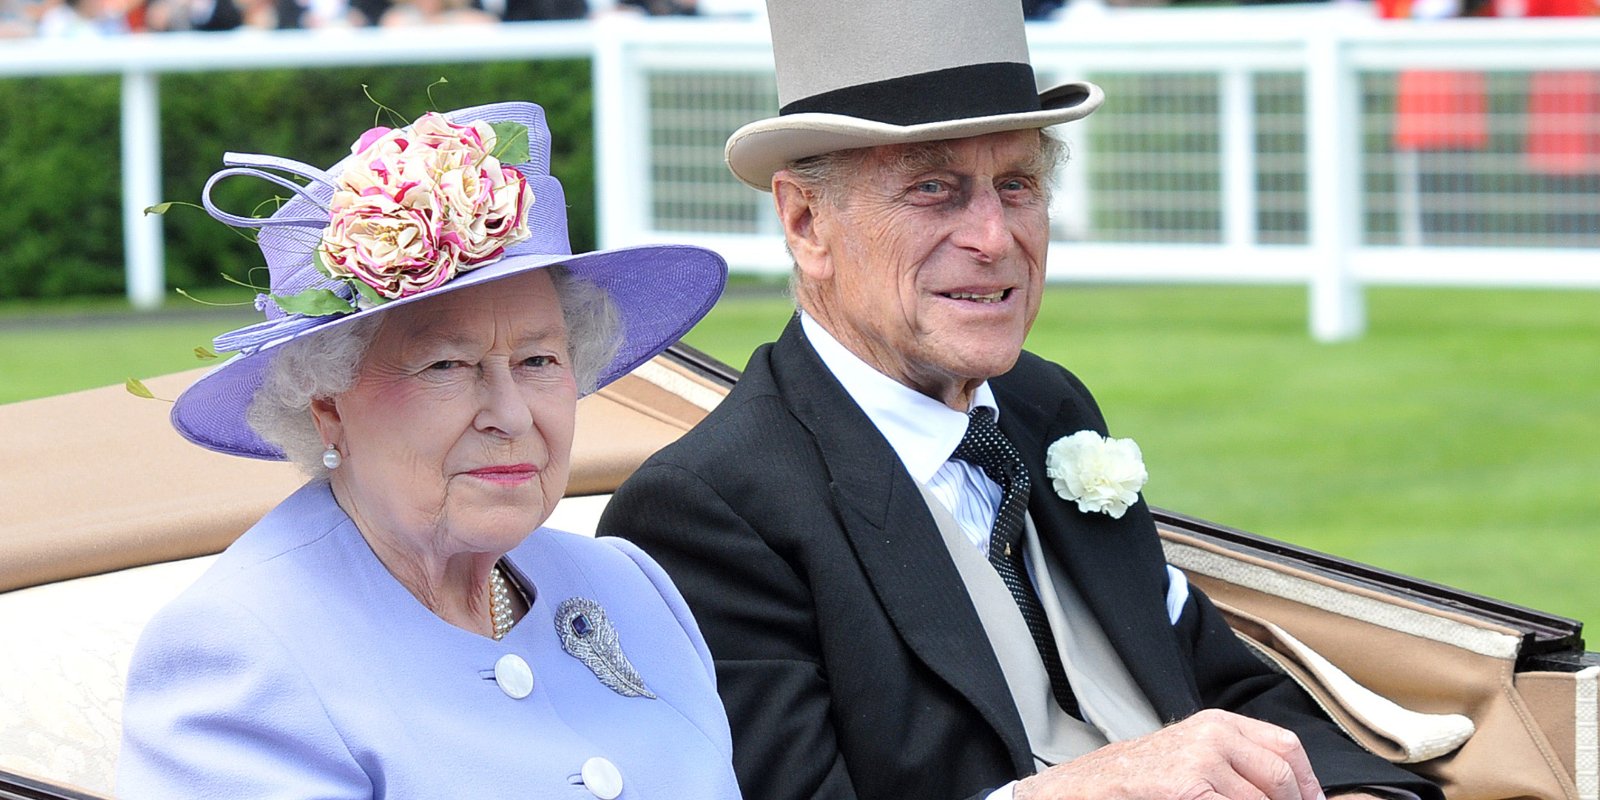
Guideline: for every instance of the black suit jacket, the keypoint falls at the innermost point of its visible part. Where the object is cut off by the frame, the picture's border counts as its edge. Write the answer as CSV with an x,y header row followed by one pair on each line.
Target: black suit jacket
x,y
849,656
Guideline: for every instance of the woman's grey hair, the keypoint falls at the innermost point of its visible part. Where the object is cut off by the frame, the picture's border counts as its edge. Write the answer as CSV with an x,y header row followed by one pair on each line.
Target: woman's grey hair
x,y
326,365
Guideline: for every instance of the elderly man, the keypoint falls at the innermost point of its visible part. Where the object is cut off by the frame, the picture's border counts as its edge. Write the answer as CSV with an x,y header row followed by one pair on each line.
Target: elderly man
x,y
899,602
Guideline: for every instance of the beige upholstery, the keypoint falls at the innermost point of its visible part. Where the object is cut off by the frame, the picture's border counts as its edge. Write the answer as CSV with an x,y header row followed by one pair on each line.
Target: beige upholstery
x,y
62,668
97,481
1533,735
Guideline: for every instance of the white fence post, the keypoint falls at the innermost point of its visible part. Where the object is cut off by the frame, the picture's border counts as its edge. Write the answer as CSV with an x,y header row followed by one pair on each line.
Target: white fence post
x,y
1236,88
608,78
141,188
621,108
1333,162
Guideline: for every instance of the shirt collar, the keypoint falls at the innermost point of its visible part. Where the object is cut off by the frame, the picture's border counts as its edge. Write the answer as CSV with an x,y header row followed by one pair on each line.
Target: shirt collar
x,y
922,430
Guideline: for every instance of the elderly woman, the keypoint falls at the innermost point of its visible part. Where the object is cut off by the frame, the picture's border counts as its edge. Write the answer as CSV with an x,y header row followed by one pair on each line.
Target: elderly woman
x,y
402,626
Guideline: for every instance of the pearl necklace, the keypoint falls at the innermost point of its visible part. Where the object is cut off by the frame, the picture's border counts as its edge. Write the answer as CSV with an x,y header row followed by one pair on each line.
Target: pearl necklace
x,y
500,602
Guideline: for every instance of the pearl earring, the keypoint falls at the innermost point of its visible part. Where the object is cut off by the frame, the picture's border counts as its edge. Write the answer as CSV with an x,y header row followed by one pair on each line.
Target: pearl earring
x,y
331,458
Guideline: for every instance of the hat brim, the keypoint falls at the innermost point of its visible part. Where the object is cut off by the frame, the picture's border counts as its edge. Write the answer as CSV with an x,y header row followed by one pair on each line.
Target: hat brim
x,y
760,149
660,292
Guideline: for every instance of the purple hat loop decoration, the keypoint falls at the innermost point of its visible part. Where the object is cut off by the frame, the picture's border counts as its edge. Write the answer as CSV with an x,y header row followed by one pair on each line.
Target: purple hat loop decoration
x,y
248,166
278,163
479,208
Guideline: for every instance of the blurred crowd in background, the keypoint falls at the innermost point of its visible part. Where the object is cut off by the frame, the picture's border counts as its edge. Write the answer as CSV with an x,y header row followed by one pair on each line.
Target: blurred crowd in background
x,y
89,18
92,18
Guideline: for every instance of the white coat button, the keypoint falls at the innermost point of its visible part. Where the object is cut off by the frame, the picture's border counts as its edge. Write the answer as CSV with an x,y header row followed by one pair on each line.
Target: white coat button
x,y
514,676
602,778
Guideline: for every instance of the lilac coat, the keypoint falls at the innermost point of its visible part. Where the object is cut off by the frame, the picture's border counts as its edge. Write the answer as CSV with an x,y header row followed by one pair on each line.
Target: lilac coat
x,y
298,667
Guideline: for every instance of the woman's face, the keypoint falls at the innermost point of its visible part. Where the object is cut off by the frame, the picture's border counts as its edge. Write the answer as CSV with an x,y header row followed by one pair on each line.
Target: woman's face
x,y
457,434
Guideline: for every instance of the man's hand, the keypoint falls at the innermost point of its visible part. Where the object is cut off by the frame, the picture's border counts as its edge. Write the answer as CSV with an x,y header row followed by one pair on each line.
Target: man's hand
x,y
1209,756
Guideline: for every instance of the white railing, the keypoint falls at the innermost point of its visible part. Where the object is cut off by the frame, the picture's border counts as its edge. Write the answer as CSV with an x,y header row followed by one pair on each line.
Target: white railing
x,y
1237,145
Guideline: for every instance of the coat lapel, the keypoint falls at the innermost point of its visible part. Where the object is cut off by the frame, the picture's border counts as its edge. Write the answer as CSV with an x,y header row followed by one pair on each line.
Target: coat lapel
x,y
894,536
1106,559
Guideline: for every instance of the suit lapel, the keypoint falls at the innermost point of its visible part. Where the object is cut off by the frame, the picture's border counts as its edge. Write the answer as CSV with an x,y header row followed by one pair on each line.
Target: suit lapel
x,y
896,539
1106,559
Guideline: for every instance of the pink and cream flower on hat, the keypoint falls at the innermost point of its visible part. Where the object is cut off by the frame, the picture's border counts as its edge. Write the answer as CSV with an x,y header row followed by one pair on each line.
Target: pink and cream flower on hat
x,y
434,130
486,209
419,204
381,241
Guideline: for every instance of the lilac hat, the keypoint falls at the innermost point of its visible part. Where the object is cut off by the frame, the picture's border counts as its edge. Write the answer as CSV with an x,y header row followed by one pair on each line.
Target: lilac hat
x,y
660,291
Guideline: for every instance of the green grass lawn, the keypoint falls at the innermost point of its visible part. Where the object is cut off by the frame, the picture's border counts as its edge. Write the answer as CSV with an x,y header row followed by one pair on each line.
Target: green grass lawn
x,y
1458,441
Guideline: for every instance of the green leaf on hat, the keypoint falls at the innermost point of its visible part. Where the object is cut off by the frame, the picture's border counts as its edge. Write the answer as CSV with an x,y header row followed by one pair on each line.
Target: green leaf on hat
x,y
313,303
511,142
316,261
137,388
162,208
369,296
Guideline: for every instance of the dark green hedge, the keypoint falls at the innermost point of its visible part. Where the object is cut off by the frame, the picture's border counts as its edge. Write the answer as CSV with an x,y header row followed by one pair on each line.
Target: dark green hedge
x,y
60,158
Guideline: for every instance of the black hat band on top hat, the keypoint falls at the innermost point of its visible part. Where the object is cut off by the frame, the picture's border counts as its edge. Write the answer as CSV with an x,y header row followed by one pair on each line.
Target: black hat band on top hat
x,y
964,92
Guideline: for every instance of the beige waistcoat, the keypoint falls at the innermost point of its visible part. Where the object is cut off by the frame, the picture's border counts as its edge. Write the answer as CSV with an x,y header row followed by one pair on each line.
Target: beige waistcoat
x,y
1112,704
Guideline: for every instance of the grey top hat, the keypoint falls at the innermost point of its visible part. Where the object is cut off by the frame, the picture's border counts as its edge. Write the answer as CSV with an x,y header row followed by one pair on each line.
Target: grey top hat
x,y
862,73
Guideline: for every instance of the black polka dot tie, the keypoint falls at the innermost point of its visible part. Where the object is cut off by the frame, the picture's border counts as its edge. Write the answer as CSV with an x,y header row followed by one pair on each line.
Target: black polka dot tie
x,y
986,448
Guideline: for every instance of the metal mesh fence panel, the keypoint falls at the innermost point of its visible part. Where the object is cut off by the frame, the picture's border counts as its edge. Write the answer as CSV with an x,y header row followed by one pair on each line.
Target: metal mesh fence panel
x,y
1482,159
1153,163
691,115
1500,158
1279,179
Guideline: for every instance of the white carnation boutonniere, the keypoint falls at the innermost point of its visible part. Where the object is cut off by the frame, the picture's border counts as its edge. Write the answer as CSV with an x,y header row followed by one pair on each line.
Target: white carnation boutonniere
x,y
1097,472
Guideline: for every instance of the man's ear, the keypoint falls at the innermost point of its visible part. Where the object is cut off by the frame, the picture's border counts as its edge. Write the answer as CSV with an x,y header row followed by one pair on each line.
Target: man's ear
x,y
797,211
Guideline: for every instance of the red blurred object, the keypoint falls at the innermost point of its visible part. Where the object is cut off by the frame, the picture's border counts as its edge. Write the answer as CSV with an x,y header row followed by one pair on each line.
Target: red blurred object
x,y
1438,110
1563,107
1394,9
1564,123
1560,8
1441,111
138,18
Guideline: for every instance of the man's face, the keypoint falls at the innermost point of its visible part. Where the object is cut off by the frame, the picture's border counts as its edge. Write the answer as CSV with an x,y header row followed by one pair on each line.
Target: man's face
x,y
929,263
